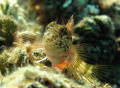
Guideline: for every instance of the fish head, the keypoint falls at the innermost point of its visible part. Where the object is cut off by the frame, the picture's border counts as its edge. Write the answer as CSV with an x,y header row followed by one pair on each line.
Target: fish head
x,y
57,41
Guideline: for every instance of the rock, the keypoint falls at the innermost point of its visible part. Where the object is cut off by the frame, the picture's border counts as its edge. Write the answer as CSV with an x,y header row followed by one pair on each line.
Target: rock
x,y
41,76
37,77
98,32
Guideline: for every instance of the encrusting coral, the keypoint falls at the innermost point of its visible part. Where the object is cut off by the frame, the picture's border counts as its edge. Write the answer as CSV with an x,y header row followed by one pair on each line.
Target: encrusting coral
x,y
37,77
41,76
12,58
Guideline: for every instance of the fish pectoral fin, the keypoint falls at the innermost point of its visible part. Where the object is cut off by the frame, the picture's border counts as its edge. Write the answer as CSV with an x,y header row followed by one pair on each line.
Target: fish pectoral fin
x,y
41,60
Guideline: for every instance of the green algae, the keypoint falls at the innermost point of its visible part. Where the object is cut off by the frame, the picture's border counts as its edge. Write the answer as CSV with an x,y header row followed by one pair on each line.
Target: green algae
x,y
8,28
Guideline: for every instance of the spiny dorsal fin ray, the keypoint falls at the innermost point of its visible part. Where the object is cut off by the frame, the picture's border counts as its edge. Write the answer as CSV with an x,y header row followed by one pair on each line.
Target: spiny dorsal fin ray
x,y
70,23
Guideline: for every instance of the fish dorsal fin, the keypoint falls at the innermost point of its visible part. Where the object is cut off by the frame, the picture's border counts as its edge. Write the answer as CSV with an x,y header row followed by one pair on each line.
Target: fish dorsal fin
x,y
70,23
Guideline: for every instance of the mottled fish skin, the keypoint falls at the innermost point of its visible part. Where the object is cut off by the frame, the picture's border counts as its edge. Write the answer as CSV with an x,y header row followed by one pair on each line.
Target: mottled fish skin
x,y
57,42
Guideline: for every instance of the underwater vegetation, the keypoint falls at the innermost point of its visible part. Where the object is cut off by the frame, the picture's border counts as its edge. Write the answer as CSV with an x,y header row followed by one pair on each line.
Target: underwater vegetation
x,y
23,30
8,29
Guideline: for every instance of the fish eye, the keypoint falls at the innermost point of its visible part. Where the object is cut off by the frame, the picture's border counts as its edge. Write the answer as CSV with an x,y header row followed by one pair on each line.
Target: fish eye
x,y
63,32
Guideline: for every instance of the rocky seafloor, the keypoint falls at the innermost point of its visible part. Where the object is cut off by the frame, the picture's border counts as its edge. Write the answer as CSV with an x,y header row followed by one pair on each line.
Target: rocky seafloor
x,y
22,26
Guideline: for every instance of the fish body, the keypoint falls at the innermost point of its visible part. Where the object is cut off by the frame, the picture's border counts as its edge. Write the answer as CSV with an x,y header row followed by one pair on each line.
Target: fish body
x,y
57,43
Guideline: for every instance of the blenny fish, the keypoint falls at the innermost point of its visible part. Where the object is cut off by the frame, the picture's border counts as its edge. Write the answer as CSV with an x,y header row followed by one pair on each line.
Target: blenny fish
x,y
57,44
